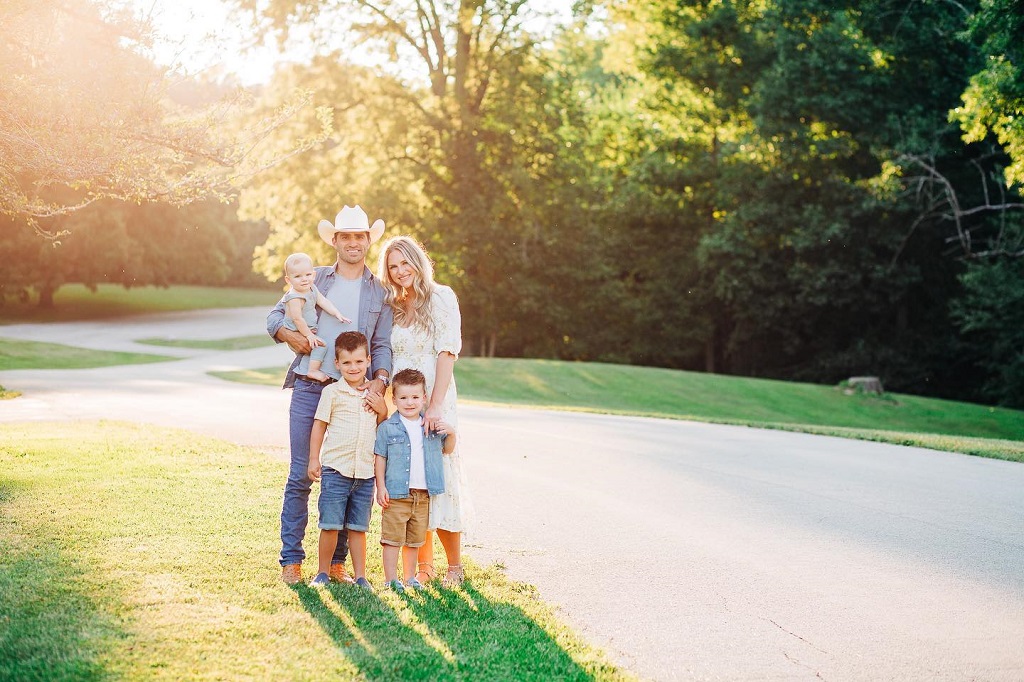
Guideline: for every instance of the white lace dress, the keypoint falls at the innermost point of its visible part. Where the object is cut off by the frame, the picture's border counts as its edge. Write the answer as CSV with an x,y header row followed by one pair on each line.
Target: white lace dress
x,y
418,348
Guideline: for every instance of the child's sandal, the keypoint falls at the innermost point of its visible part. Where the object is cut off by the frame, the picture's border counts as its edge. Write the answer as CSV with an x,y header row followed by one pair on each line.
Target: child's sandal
x,y
455,576
427,574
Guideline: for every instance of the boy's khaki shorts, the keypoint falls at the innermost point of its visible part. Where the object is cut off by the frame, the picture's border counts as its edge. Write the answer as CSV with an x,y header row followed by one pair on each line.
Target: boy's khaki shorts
x,y
404,522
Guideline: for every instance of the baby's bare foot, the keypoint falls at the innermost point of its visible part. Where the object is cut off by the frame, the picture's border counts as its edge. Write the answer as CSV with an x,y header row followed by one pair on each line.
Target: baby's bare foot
x,y
316,375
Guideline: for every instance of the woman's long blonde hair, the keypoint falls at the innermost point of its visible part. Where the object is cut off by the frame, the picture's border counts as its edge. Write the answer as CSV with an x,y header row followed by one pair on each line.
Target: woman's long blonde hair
x,y
412,305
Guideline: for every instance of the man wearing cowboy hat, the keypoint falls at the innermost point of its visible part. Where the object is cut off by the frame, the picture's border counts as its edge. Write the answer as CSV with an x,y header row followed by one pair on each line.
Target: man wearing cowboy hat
x,y
351,286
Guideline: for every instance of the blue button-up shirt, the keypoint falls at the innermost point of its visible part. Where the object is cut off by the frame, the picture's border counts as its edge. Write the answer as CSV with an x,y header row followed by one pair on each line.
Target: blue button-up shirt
x,y
375,319
394,444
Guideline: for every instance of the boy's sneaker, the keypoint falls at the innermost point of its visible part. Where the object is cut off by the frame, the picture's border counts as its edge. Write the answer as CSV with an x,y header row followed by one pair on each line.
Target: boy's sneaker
x,y
320,580
413,584
364,583
396,586
339,575
291,574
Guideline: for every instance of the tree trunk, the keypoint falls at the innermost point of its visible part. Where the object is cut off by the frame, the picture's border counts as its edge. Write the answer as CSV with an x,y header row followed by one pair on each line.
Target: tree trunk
x,y
46,292
709,354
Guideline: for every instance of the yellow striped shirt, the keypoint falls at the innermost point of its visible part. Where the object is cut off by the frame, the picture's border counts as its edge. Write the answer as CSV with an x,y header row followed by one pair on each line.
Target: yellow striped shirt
x,y
351,431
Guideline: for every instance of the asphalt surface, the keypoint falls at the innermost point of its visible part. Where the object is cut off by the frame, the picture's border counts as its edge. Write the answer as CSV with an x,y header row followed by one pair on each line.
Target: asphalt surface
x,y
686,550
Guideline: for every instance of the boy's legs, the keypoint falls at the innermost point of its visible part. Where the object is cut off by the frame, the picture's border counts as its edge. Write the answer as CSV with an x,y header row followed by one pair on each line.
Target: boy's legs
x,y
425,551
357,520
390,553
334,492
357,548
415,531
295,510
409,556
328,542
393,524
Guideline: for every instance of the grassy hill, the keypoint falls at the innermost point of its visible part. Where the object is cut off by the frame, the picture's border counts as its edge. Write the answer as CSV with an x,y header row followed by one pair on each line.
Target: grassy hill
x,y
647,391
672,393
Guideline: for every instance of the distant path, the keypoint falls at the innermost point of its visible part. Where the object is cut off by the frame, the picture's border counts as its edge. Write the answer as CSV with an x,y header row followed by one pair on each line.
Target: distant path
x,y
688,550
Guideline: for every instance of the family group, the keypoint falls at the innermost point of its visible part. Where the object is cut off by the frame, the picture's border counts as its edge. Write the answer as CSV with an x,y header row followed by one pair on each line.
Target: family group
x,y
398,329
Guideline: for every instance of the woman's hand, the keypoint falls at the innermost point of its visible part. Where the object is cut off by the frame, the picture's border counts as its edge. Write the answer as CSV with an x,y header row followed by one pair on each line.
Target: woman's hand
x,y
374,402
431,418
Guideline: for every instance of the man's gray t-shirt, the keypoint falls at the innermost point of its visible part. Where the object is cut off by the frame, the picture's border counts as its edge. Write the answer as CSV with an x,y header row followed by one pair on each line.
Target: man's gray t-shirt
x,y
345,295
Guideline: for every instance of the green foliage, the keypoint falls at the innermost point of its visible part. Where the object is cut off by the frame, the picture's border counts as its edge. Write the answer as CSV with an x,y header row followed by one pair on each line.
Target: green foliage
x,y
991,315
993,103
87,116
132,245
776,129
754,187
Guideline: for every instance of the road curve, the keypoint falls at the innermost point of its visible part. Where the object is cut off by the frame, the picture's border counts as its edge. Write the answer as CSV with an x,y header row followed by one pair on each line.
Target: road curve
x,y
687,550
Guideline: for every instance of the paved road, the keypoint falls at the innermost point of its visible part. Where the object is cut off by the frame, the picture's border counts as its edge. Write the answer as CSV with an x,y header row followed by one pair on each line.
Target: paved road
x,y
688,551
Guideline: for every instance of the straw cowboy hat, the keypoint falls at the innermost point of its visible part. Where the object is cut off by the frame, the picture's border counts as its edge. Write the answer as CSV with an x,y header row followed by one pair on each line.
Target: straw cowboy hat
x,y
350,219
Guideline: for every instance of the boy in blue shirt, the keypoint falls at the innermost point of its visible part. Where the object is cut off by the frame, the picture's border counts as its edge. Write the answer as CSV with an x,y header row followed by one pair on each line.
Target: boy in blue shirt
x,y
408,469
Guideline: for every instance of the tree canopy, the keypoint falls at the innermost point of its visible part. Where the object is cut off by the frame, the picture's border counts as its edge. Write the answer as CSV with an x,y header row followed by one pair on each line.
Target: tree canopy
x,y
85,116
806,189
767,188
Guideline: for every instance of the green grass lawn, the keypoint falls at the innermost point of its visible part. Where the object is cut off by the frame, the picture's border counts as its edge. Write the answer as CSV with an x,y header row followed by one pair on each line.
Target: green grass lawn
x,y
236,343
75,302
17,354
132,552
812,408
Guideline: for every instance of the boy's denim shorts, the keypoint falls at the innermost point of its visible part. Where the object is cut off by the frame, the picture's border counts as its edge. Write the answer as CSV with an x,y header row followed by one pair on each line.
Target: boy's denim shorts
x,y
345,503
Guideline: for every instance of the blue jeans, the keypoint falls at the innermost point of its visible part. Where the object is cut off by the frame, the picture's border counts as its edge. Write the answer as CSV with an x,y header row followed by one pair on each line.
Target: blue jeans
x,y
345,503
295,511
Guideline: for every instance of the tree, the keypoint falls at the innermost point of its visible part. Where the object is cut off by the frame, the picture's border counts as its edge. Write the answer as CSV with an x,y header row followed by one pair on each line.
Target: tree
x,y
779,124
113,242
84,117
993,102
991,315
467,59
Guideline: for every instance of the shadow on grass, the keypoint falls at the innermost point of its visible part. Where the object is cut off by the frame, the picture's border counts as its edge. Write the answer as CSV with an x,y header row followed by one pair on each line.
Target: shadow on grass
x,y
51,628
436,634
492,639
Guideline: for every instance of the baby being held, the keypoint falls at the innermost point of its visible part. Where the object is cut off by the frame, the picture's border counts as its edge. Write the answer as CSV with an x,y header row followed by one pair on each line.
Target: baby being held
x,y
300,309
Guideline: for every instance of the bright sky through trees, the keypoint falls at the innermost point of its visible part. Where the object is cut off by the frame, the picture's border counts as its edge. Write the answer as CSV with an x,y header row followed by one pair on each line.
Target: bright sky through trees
x,y
208,36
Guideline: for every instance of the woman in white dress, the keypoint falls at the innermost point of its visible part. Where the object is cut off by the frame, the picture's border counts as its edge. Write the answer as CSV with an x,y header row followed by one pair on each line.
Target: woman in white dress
x,y
427,335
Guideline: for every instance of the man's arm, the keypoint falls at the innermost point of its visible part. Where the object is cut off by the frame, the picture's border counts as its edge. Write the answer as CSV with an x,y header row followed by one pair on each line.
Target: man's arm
x,y
281,334
380,349
275,320
380,342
